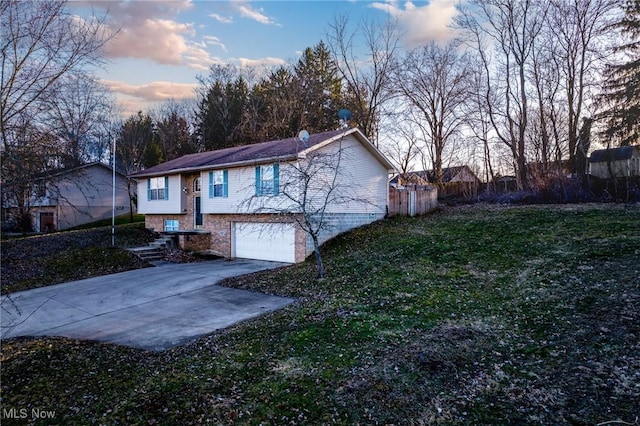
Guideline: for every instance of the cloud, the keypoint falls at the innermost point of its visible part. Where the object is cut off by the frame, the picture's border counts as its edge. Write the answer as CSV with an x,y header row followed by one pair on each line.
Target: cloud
x,y
257,15
160,40
221,19
149,30
214,41
156,91
267,62
422,23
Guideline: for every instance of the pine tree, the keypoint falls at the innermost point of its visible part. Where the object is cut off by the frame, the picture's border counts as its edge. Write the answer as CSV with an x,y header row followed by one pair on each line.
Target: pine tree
x,y
622,87
320,88
221,108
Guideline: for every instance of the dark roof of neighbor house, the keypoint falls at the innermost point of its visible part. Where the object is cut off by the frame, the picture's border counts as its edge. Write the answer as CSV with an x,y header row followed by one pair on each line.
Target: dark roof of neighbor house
x,y
448,173
280,150
613,154
410,177
59,172
54,173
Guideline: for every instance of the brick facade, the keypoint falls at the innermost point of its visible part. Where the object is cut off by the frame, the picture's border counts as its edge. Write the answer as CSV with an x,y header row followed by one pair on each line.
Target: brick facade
x,y
217,231
221,228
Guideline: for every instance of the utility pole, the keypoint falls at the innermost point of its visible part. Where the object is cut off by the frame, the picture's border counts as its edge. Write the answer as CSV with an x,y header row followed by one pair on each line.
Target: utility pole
x,y
113,195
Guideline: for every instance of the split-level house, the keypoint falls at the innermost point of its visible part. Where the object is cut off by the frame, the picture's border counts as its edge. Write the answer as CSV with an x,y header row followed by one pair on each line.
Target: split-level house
x,y
247,201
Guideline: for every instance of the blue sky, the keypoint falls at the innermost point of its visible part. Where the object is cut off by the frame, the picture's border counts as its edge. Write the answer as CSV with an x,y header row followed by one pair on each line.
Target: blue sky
x,y
162,46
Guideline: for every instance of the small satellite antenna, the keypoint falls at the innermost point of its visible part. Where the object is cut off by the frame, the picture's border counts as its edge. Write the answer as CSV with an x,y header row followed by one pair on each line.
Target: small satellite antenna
x,y
303,136
344,115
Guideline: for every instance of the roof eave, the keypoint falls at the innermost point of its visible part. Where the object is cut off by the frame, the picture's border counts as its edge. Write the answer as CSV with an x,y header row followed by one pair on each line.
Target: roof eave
x,y
234,164
363,139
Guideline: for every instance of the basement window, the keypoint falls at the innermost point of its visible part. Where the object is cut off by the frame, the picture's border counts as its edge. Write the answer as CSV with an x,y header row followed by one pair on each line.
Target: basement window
x,y
171,225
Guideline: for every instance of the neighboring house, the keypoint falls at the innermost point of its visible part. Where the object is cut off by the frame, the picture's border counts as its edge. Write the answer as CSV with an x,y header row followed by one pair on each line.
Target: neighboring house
x,y
507,183
542,170
455,175
225,201
74,196
457,181
618,162
408,179
449,175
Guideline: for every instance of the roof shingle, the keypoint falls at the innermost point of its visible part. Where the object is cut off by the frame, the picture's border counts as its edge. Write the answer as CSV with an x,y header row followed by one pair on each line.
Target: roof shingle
x,y
281,149
613,154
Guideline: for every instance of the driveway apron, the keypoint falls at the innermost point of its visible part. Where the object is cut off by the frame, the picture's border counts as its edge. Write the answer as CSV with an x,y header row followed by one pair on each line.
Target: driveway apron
x,y
152,308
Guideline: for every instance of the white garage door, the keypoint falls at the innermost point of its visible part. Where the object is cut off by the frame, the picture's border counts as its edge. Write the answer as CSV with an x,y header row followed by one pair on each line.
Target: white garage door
x,y
273,241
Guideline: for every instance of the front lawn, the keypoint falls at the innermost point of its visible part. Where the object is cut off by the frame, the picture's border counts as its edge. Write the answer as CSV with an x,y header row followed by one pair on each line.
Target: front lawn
x,y
473,315
47,259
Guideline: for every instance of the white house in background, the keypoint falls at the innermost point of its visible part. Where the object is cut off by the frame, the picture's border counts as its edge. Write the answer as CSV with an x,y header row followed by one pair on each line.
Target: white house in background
x,y
75,196
618,162
236,202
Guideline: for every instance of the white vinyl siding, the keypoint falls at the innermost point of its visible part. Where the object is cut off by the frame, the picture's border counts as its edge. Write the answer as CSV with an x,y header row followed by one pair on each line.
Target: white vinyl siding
x,y
615,168
363,180
173,202
362,177
241,194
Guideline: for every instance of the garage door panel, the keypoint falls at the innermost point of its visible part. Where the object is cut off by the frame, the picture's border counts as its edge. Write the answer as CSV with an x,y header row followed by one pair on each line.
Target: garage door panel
x,y
273,241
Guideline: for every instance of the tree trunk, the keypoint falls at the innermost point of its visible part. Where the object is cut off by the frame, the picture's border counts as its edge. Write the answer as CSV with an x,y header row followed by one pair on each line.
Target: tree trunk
x,y
316,249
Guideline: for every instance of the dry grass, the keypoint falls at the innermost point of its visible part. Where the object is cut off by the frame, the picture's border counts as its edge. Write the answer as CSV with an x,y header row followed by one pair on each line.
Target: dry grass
x,y
472,315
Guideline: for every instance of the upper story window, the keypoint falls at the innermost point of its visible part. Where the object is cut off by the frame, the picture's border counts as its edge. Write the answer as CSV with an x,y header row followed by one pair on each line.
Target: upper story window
x,y
158,188
267,179
196,184
218,183
40,189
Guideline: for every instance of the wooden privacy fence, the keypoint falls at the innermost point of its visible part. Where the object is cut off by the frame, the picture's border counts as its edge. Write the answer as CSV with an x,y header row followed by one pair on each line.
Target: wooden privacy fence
x,y
413,200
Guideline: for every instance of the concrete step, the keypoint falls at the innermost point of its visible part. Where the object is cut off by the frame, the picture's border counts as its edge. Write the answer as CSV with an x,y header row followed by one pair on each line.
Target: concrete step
x,y
147,252
155,249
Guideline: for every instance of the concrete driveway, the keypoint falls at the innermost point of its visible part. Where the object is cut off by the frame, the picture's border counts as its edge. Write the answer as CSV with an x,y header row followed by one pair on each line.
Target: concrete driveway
x,y
152,308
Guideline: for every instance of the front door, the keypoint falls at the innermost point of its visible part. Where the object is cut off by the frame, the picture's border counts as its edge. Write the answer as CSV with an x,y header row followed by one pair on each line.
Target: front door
x,y
46,222
197,208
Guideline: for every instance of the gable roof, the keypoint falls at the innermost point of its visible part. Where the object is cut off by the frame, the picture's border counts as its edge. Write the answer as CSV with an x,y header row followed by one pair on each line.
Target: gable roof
x,y
59,172
613,154
448,173
278,150
55,173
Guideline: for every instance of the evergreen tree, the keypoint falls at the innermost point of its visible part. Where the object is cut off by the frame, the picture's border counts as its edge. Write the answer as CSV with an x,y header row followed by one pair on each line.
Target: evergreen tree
x,y
279,98
174,136
320,89
137,145
622,87
221,109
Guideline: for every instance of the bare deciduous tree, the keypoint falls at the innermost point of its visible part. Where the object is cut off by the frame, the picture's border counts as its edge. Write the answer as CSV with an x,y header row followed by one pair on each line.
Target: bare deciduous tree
x,y
42,44
174,127
579,28
77,114
508,29
310,189
401,144
434,81
367,79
